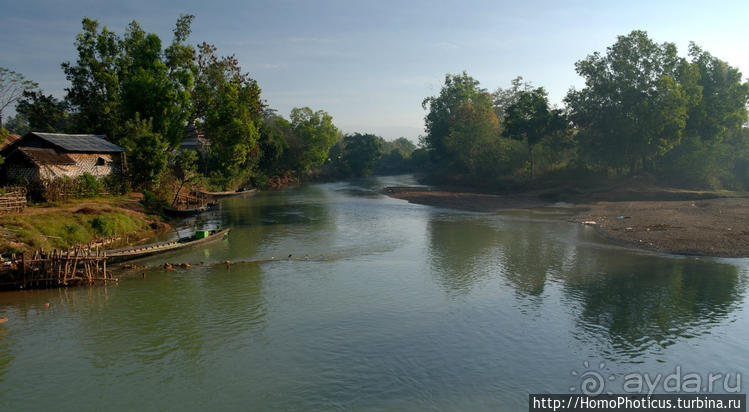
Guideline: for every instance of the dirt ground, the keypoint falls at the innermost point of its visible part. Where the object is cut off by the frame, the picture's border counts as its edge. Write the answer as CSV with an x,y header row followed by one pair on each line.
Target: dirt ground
x,y
712,227
700,225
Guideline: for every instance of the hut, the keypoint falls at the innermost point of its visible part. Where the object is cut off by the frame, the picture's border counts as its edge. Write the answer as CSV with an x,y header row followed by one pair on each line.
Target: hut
x,y
194,140
48,156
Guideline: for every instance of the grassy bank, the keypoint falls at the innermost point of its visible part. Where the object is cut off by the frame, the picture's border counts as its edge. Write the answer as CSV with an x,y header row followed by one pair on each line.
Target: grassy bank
x,y
66,224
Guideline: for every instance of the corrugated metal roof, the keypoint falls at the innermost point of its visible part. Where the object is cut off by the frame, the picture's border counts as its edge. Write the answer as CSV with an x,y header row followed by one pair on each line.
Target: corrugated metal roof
x,y
94,143
46,156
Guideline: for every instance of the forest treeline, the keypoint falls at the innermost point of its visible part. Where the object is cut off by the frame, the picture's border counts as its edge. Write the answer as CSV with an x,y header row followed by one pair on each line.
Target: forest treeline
x,y
149,98
644,111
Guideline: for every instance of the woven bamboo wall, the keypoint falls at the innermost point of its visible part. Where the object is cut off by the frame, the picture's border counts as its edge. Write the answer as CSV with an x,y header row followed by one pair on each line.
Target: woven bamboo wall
x,y
12,199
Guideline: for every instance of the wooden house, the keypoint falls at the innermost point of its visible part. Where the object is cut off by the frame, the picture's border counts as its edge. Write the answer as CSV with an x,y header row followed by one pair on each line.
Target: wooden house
x,y
48,156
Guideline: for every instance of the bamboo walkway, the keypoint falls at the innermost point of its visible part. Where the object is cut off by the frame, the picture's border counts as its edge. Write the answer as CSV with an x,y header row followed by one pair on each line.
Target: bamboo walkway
x,y
54,269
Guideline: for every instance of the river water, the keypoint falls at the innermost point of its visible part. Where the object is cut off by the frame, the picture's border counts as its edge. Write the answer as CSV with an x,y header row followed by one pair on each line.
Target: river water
x,y
382,305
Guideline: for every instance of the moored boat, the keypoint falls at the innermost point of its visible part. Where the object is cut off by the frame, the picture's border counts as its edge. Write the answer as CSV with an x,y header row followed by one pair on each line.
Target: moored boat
x,y
189,211
135,252
238,192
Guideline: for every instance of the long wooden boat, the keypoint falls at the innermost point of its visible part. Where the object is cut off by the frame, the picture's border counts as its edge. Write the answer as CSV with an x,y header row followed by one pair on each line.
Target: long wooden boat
x,y
191,211
238,192
135,252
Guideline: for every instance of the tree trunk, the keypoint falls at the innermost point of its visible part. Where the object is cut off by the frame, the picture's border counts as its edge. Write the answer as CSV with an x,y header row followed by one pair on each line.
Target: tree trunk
x,y
533,161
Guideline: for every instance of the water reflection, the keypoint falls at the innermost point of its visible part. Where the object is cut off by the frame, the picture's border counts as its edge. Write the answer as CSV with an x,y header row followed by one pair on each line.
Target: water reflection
x,y
182,317
647,303
459,248
627,304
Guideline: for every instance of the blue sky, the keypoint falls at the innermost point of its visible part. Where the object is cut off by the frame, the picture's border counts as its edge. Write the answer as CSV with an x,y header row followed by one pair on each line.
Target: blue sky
x,y
370,64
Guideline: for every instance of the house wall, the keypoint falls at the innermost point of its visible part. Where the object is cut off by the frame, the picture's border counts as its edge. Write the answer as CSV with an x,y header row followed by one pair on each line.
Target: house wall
x,y
84,163
20,172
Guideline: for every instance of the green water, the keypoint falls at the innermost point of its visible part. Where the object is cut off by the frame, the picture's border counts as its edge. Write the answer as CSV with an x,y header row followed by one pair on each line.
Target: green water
x,y
383,305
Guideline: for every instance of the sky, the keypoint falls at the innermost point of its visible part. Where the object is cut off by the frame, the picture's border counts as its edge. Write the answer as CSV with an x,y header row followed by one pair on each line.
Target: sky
x,y
371,64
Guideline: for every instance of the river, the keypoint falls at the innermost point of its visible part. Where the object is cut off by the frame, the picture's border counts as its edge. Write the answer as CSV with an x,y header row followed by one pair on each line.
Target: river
x,y
382,305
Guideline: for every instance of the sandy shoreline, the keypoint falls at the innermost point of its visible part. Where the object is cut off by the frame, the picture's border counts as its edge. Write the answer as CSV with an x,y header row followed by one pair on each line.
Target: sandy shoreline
x,y
700,226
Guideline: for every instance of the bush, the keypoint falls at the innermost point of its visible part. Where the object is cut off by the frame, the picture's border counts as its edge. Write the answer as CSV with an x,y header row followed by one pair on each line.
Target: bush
x,y
88,186
152,201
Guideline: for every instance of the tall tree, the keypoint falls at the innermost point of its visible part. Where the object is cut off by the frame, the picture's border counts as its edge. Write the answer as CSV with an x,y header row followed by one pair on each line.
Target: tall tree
x,y
228,106
148,88
530,118
724,97
94,92
634,106
12,87
461,123
275,133
361,153
314,135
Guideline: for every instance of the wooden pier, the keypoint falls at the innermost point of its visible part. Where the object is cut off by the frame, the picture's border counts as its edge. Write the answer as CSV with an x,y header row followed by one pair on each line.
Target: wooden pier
x,y
54,269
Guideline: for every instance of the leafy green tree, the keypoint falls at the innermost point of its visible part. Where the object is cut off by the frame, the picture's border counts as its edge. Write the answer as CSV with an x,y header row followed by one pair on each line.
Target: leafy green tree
x,y
94,92
462,127
148,87
147,154
313,136
404,146
228,106
44,113
450,117
529,118
361,153
712,153
724,97
275,133
635,103
12,87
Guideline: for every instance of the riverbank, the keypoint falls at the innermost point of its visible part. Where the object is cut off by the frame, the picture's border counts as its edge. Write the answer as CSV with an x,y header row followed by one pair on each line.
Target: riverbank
x,y
121,220
659,219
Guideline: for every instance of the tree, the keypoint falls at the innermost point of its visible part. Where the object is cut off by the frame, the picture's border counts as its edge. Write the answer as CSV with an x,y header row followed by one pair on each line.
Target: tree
x,y
18,124
724,97
275,133
503,98
712,152
12,87
146,150
634,106
462,128
361,153
228,106
185,169
44,113
147,87
94,92
313,136
529,118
